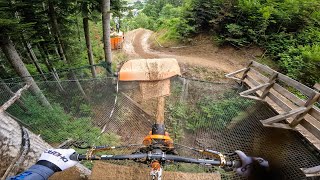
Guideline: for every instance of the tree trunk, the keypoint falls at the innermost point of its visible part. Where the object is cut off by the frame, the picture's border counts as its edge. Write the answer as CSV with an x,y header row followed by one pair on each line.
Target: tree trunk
x,y
106,30
45,55
15,60
89,47
10,140
57,35
56,32
34,59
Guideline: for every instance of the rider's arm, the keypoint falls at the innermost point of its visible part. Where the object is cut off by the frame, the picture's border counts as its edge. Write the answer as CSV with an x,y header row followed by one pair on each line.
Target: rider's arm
x,y
35,172
51,161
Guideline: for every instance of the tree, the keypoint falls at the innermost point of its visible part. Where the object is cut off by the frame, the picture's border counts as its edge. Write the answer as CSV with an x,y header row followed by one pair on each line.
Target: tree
x,y
16,62
55,30
85,20
61,47
106,31
10,26
34,58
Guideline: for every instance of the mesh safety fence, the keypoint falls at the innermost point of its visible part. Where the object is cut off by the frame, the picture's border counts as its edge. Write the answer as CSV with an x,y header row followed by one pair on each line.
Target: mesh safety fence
x,y
197,114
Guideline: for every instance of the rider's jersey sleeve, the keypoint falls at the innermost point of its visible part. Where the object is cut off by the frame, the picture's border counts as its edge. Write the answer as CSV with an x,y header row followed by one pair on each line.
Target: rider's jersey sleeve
x,y
35,172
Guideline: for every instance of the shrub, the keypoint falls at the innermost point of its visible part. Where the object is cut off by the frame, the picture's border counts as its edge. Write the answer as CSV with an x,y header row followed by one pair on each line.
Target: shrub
x,y
302,63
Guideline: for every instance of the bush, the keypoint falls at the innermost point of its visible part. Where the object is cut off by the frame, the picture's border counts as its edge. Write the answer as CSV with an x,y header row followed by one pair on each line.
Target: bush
x,y
277,26
140,21
302,63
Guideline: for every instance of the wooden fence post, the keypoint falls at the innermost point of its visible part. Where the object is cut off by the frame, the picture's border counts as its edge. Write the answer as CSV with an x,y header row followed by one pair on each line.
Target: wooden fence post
x,y
271,82
313,99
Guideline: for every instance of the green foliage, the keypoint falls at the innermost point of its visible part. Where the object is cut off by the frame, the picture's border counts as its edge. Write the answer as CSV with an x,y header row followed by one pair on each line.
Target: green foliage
x,y
165,16
175,120
140,21
302,63
280,27
55,126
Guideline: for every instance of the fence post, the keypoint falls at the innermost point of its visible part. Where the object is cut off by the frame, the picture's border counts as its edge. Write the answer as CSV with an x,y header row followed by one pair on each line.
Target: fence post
x,y
246,71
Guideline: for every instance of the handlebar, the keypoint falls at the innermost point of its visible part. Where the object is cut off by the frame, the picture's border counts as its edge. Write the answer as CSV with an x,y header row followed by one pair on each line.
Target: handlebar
x,y
161,157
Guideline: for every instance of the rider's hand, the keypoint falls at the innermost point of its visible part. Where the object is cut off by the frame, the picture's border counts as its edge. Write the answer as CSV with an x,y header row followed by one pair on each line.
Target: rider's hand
x,y
57,159
248,164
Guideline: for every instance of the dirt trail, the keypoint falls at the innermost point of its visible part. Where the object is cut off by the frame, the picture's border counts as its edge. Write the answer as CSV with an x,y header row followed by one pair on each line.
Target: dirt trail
x,y
203,53
106,171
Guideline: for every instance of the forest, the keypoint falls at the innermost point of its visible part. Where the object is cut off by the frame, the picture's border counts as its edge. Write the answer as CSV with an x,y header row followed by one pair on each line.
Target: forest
x,y
50,35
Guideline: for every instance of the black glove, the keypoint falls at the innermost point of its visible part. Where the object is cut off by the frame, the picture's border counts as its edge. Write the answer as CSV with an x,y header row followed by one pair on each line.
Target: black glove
x,y
247,164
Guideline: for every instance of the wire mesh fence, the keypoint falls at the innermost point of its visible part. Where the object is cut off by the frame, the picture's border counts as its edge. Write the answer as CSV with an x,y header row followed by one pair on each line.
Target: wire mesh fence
x,y
197,114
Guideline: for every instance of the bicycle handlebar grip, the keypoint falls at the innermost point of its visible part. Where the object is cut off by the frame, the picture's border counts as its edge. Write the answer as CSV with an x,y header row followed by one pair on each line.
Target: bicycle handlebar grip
x,y
74,157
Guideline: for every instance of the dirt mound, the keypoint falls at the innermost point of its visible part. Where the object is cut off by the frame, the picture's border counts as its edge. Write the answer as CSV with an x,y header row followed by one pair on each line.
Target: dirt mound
x,y
103,171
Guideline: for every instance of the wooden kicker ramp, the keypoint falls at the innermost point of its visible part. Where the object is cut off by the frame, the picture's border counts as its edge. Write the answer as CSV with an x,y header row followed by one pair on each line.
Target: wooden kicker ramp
x,y
294,113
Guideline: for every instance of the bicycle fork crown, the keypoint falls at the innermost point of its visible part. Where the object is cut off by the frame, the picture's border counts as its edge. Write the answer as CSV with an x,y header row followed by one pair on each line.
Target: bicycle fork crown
x,y
158,136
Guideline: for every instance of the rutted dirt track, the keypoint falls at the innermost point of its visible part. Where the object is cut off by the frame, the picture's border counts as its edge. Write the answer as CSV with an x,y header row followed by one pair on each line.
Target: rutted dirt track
x,y
203,53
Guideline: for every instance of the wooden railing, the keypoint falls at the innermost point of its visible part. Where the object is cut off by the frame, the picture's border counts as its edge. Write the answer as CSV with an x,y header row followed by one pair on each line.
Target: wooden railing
x,y
294,112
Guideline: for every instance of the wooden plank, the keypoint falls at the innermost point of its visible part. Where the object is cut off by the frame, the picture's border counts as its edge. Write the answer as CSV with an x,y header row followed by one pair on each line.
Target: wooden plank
x,y
252,97
260,76
288,95
278,125
284,92
309,136
291,82
284,116
254,89
301,87
246,71
253,81
271,82
315,113
279,102
263,68
308,105
302,130
312,125
236,72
